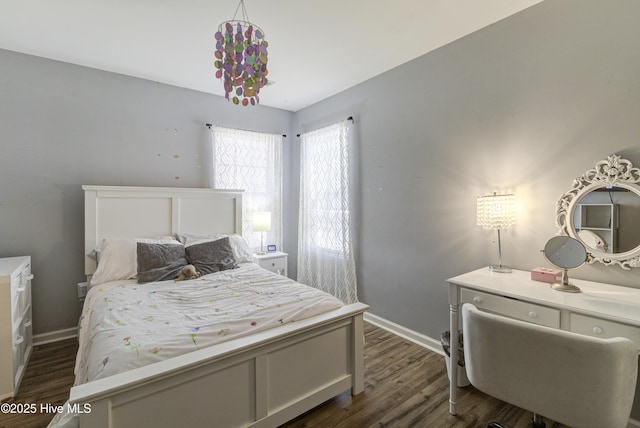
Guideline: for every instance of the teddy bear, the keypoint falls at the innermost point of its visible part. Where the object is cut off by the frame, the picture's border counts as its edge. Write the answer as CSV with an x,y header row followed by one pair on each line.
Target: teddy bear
x,y
188,272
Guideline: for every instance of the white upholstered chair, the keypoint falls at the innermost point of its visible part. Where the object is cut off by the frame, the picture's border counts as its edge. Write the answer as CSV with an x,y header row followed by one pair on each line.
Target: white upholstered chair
x,y
577,380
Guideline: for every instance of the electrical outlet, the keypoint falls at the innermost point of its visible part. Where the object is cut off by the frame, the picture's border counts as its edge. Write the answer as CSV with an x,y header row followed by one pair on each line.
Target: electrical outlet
x,y
82,290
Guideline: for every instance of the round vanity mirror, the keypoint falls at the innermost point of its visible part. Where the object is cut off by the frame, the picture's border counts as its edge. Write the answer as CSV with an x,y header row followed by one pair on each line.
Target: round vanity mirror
x,y
601,210
566,253
605,219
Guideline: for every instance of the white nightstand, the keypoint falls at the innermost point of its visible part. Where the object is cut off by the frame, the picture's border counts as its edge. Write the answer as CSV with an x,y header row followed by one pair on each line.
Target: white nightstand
x,y
275,261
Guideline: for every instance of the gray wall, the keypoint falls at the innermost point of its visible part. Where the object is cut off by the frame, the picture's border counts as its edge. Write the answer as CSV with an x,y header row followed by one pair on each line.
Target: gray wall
x,y
62,126
523,106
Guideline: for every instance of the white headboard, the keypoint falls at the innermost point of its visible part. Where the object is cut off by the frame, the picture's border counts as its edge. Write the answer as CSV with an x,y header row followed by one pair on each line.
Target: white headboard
x,y
145,212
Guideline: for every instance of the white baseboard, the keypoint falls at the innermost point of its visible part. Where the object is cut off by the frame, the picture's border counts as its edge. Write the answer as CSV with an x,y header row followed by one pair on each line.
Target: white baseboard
x,y
406,333
54,336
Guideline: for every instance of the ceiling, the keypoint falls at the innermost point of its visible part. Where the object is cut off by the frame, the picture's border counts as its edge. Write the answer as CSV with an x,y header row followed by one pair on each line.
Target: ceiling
x,y
317,48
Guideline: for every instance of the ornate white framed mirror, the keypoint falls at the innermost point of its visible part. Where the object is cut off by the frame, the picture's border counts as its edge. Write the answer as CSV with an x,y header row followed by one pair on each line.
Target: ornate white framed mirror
x,y
601,211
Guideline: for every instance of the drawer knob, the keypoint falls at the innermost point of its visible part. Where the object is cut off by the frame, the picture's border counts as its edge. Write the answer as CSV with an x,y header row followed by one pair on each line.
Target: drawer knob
x,y
532,314
477,300
273,264
597,330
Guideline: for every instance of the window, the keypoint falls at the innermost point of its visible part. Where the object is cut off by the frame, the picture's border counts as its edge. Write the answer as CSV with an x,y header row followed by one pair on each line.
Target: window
x,y
251,161
325,256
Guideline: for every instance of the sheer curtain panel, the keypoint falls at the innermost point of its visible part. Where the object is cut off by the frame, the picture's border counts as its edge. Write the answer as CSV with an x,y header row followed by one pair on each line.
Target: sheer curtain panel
x,y
325,254
251,161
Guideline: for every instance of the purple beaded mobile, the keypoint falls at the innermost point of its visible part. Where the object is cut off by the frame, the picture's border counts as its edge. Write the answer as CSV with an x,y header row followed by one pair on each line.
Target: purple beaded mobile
x,y
241,59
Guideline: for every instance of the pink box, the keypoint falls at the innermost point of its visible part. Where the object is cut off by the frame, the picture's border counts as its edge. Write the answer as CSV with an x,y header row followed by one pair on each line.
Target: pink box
x,y
546,275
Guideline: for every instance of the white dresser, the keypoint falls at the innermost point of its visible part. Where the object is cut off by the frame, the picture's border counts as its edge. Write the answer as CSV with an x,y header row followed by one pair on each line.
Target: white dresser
x,y
15,322
599,310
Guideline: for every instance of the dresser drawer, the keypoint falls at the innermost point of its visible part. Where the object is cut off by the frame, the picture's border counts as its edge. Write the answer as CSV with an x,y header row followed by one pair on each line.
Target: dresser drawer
x,y
597,327
517,309
25,285
14,297
21,293
21,339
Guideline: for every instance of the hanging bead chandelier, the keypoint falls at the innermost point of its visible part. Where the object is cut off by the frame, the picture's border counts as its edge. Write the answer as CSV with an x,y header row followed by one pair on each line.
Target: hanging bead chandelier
x,y
241,58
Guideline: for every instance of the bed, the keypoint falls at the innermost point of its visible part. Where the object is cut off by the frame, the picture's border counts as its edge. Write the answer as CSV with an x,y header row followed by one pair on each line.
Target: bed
x,y
261,377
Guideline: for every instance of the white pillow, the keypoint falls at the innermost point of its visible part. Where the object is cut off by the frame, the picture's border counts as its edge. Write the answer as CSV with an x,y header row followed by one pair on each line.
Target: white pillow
x,y
118,258
239,246
97,250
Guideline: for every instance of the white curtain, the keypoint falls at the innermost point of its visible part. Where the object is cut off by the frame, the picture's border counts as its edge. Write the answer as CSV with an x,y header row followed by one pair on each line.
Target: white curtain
x,y
325,254
251,161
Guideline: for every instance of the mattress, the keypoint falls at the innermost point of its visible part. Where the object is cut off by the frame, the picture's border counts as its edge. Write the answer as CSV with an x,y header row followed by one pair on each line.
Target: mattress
x,y
125,325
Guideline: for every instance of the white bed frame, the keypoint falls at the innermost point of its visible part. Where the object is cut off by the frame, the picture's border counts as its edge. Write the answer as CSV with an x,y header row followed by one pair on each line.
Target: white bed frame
x,y
258,381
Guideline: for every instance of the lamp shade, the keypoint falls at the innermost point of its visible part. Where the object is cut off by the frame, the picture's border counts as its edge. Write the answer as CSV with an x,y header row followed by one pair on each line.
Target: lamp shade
x,y
496,211
261,221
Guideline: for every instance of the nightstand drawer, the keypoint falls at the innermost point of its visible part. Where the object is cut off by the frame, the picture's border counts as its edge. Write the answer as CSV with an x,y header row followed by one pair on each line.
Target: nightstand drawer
x,y
512,308
273,264
596,327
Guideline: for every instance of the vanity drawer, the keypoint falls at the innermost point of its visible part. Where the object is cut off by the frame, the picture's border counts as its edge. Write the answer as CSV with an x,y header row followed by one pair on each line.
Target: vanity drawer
x,y
597,327
512,308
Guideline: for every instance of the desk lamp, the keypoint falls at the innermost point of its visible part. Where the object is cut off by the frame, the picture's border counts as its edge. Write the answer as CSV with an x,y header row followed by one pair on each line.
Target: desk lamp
x,y
497,212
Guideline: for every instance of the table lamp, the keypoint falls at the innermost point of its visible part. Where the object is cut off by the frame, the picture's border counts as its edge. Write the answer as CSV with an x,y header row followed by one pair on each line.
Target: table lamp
x,y
261,222
497,212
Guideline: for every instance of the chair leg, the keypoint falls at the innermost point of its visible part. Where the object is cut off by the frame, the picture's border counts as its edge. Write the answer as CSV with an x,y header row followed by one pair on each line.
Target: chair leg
x,y
537,421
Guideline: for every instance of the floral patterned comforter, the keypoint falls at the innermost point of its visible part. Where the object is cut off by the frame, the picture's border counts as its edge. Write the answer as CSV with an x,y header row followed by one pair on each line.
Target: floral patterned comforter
x,y
125,325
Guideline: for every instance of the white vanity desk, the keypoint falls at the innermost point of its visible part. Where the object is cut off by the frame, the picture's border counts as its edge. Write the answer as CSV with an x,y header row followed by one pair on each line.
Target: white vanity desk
x,y
600,310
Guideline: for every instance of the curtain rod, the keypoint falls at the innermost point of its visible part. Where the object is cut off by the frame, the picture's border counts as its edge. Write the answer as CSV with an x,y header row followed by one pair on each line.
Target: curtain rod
x,y
209,125
349,118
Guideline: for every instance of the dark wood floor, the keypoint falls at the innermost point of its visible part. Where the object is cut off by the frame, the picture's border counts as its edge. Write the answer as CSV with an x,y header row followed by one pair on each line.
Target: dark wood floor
x,y
48,378
405,386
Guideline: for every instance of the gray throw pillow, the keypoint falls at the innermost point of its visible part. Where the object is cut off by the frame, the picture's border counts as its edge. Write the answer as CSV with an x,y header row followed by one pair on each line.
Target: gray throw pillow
x,y
212,256
159,262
